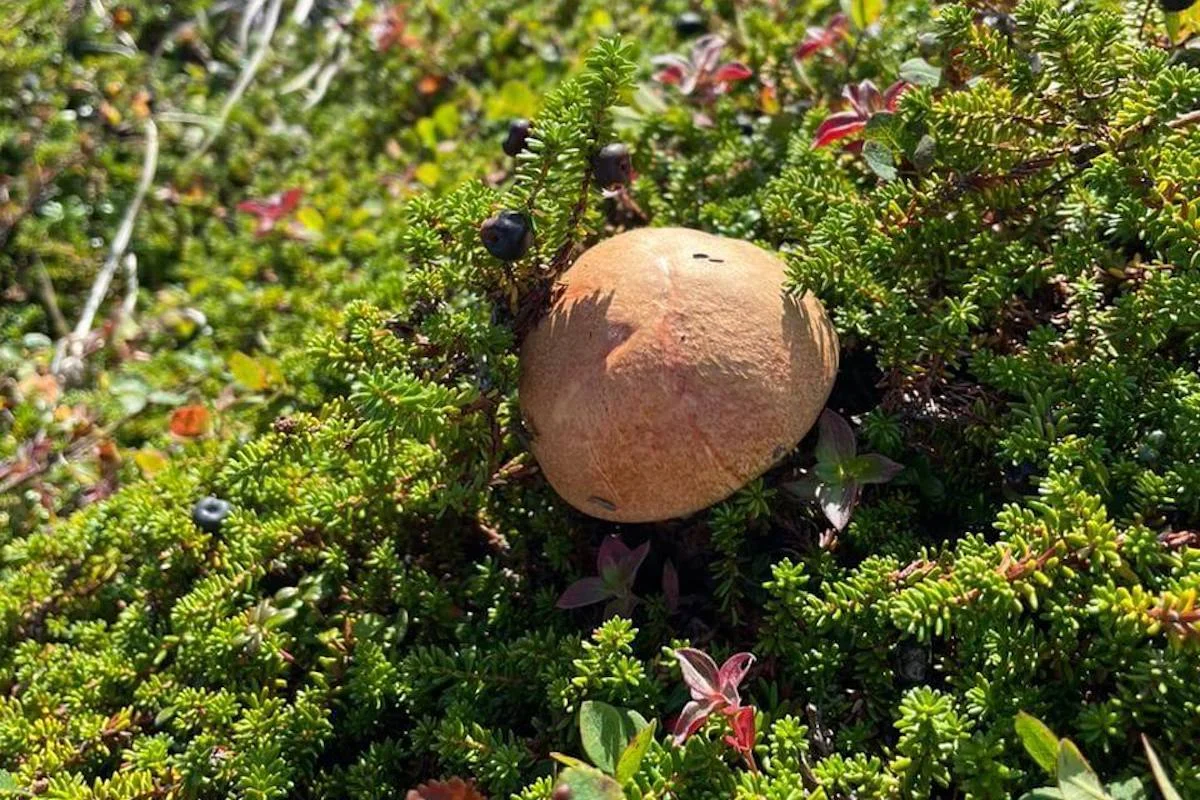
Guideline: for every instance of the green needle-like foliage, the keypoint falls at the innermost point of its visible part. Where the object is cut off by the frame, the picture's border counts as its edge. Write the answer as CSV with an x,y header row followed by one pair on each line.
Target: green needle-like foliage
x,y
1010,259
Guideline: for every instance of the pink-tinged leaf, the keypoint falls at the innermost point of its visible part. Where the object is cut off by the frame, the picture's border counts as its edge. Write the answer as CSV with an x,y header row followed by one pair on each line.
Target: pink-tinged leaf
x,y
631,562
733,71
290,199
732,673
838,503
255,207
877,469
742,722
670,586
706,53
864,98
821,38
838,126
699,673
612,552
891,96
271,210
808,47
691,718
835,444
672,61
583,592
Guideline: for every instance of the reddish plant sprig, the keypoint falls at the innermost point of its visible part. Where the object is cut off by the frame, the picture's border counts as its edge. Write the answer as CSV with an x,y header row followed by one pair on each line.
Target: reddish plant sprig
x,y
617,567
702,75
865,102
713,689
818,39
268,212
744,735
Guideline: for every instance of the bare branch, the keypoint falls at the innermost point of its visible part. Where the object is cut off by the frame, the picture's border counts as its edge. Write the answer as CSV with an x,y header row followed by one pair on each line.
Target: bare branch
x,y
70,347
266,33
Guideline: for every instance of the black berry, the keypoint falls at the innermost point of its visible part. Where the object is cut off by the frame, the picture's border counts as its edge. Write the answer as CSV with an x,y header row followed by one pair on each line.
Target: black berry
x,y
612,165
689,24
745,124
1176,5
518,132
507,235
209,513
998,21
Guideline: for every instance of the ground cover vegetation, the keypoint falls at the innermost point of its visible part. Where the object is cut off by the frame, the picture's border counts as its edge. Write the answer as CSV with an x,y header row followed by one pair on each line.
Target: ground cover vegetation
x,y
269,525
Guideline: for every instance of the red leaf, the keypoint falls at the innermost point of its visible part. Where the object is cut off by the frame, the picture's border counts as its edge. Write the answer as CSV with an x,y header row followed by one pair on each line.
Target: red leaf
x,y
671,76
891,95
272,209
189,421
838,126
290,199
733,71
822,38
742,722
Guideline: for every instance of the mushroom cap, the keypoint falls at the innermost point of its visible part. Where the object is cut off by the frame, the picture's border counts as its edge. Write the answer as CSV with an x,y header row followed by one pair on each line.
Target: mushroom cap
x,y
671,370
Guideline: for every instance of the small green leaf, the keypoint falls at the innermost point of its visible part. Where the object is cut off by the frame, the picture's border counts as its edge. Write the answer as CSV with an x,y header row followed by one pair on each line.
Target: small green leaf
x,y
1131,789
1042,793
164,715
862,12
587,783
310,218
1040,742
879,159
1172,20
601,727
1160,775
428,173
920,72
515,99
570,761
9,785
446,120
923,153
1076,779
248,372
631,758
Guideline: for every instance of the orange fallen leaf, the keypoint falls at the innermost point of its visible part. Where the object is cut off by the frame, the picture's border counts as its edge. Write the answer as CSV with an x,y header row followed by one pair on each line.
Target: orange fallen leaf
x,y
189,421
429,84
107,451
42,387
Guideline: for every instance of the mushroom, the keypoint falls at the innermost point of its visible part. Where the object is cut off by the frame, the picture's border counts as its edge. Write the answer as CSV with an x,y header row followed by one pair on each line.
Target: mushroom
x,y
671,370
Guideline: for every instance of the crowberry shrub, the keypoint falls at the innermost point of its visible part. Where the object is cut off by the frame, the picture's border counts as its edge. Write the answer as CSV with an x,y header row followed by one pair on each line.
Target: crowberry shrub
x,y
277,207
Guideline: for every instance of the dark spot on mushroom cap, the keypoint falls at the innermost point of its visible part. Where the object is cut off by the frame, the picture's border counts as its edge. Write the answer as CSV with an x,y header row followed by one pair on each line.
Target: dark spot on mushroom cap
x,y
605,504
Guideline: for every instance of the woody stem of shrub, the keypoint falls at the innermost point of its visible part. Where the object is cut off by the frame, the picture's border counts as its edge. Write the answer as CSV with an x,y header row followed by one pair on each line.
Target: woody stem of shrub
x,y
49,299
120,243
266,34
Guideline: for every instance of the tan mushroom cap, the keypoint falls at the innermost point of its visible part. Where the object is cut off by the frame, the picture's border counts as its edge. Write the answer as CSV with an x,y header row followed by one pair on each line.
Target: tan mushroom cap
x,y
670,372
